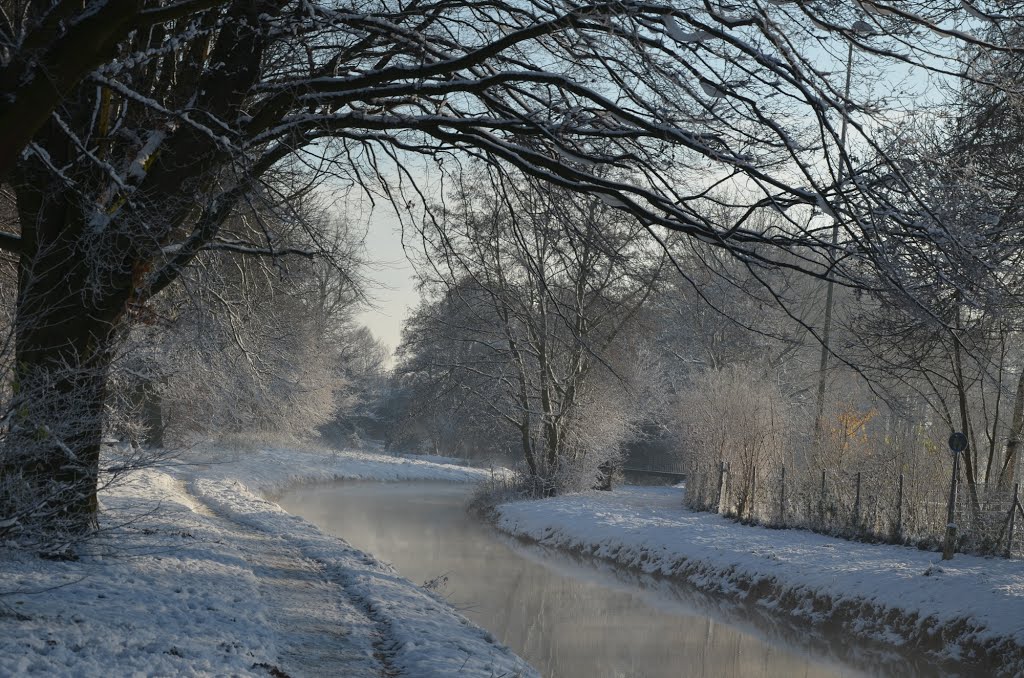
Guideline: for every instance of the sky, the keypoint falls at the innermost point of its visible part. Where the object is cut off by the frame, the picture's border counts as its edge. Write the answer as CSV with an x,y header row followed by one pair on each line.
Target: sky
x,y
392,288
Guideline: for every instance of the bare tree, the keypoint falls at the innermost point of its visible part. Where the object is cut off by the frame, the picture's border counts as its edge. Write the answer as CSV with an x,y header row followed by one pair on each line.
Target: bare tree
x,y
135,129
547,283
241,346
436,408
956,339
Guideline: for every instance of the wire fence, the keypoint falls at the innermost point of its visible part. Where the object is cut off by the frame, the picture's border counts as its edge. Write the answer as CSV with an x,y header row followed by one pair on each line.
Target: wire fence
x,y
871,505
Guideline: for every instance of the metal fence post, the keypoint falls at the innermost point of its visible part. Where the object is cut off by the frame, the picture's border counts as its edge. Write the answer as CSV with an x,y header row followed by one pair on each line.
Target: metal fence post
x,y
782,497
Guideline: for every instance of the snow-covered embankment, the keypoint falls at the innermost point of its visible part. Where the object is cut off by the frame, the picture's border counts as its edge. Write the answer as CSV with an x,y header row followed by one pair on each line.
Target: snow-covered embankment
x,y
969,609
198,574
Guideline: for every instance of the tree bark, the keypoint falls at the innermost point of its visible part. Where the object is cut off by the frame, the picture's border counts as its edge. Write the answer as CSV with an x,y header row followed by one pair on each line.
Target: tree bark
x,y
50,470
85,261
970,454
66,321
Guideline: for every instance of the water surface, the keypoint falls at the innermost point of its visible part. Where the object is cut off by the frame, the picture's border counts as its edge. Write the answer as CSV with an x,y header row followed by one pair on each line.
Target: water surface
x,y
575,617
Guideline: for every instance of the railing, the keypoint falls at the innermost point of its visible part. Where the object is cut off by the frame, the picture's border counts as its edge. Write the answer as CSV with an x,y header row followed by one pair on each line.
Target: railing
x,y
872,505
636,472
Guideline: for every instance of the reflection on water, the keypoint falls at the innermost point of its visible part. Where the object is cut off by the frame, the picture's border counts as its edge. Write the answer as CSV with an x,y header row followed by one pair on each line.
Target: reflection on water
x,y
573,617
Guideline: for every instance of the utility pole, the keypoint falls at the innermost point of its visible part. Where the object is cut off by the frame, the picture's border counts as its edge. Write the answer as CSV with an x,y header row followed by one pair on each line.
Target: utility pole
x,y
830,285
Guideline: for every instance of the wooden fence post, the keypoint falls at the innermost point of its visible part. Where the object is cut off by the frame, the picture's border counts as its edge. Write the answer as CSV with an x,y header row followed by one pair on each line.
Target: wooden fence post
x,y
1013,519
821,501
856,506
723,478
782,497
899,510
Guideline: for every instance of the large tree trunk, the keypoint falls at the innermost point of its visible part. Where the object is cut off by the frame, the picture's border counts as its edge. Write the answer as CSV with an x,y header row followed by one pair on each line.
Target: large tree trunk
x,y
64,331
91,247
50,471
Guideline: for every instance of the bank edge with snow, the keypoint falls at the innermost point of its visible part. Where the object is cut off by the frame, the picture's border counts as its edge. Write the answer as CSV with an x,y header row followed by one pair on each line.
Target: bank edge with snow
x,y
270,471
195,574
423,635
969,610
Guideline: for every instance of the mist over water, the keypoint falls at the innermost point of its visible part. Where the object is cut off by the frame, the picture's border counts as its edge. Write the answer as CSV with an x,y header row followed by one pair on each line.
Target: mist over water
x,y
574,617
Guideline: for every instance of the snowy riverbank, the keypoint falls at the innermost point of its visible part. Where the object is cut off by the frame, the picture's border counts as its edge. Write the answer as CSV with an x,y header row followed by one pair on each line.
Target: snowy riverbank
x,y
967,609
196,574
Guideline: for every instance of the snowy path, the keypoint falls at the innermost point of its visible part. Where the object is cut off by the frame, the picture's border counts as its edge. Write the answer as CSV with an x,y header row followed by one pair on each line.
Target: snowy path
x,y
197,575
417,633
314,616
970,608
319,626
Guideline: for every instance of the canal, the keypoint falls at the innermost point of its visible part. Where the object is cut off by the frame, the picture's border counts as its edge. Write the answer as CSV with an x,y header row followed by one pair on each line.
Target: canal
x,y
574,617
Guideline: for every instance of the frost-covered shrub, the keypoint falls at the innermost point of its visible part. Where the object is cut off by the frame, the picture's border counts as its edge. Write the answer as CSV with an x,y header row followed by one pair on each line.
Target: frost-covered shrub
x,y
528,322
353,441
738,416
616,400
281,386
242,346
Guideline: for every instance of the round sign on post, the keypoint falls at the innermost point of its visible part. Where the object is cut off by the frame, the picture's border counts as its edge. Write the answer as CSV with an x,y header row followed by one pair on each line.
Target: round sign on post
x,y
957,442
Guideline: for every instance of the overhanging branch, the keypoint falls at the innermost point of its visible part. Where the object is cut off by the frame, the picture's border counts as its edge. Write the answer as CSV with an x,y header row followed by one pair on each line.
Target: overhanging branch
x,y
242,247
10,243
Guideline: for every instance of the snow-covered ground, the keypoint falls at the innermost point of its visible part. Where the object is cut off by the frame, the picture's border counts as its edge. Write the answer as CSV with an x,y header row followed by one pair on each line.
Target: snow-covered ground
x,y
969,609
197,574
270,471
